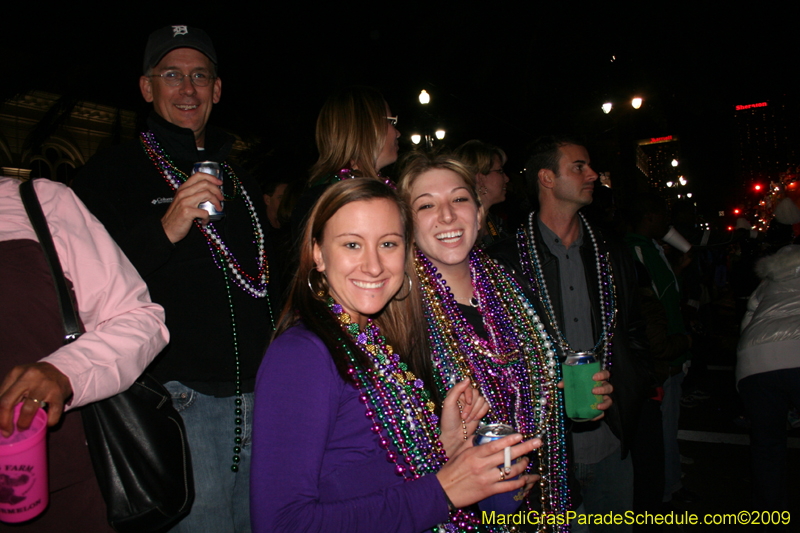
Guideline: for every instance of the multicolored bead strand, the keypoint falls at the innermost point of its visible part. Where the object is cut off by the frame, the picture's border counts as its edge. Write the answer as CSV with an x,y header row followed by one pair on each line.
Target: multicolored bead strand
x,y
401,411
516,368
225,261
256,285
531,268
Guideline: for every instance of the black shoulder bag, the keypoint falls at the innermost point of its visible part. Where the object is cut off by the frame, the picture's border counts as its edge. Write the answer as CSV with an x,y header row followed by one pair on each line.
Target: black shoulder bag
x,y
137,440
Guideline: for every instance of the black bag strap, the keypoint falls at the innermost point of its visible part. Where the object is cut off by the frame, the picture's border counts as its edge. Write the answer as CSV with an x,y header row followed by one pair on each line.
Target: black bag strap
x,y
69,317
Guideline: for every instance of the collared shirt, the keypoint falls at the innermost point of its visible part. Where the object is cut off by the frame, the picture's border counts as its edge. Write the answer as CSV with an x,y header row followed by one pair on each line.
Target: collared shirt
x,y
595,444
576,306
124,329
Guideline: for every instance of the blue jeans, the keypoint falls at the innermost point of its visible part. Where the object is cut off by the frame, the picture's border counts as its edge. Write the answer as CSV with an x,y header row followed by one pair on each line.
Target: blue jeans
x,y
222,497
607,486
670,413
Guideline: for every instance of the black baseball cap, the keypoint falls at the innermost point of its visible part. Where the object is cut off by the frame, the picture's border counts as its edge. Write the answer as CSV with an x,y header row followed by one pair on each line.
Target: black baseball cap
x,y
163,41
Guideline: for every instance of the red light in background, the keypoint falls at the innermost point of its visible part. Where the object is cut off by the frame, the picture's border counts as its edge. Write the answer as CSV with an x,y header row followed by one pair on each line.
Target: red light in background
x,y
660,139
736,211
757,187
750,106
730,228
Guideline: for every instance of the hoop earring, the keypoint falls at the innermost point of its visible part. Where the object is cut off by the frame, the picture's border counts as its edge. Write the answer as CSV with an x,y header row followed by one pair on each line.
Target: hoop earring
x,y
410,286
318,295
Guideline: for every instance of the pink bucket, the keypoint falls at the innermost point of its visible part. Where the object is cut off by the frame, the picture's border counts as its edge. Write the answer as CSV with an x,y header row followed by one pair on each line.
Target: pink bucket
x,y
24,490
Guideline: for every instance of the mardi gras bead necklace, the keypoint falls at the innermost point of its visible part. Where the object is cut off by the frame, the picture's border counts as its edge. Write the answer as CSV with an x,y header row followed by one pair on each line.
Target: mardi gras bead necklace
x,y
225,261
401,411
515,368
532,269
256,285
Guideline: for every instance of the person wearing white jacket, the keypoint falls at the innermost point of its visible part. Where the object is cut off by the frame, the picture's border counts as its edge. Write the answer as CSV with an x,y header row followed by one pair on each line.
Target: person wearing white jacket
x,y
768,371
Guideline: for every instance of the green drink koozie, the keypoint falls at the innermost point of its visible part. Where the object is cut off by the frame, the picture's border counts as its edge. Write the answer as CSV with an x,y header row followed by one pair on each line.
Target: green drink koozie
x,y
578,370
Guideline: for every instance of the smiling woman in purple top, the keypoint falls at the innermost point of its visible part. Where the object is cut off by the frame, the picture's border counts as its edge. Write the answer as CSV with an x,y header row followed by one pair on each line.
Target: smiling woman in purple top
x,y
348,436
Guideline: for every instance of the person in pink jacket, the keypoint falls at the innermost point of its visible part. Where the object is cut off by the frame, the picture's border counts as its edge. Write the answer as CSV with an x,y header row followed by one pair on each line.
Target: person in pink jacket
x,y
124,331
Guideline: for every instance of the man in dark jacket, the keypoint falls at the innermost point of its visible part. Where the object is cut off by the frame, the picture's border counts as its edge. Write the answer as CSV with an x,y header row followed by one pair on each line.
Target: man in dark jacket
x,y
585,286
211,277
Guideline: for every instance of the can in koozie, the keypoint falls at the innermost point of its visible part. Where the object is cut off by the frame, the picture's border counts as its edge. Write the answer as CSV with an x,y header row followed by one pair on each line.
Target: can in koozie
x,y
24,488
578,369
505,502
213,168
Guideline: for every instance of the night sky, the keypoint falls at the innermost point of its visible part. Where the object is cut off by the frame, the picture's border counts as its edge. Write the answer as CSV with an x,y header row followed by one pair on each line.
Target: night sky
x,y
501,74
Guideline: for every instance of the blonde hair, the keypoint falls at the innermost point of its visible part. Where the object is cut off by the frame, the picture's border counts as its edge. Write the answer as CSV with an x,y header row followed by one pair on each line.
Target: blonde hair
x,y
351,131
479,156
417,163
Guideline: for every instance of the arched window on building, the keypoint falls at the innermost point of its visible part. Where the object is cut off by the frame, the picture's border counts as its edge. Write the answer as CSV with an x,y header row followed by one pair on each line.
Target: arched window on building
x,y
57,160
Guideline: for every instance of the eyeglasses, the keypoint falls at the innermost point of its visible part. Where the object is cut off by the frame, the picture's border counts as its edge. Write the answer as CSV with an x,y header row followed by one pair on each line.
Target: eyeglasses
x,y
392,120
174,78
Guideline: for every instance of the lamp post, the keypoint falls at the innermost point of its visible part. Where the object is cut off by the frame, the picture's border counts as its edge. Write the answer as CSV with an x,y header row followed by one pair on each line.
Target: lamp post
x,y
428,133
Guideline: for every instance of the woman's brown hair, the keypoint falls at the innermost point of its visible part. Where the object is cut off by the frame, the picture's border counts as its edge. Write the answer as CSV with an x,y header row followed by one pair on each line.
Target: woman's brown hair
x,y
401,321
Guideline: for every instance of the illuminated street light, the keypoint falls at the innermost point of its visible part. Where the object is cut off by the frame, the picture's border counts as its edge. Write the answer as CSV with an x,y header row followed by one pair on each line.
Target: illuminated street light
x,y
636,102
607,107
688,195
416,138
682,180
424,97
440,134
674,162
670,184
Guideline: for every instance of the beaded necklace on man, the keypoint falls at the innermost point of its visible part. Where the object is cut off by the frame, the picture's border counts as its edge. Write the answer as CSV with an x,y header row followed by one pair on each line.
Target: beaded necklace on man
x,y
255,286
400,408
515,369
532,269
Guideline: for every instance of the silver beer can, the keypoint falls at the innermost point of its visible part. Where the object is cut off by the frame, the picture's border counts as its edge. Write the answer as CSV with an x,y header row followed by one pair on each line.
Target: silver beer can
x,y
491,432
213,168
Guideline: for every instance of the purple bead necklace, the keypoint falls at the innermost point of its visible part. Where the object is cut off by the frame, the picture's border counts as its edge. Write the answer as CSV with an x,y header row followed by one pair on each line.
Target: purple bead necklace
x,y
225,261
401,411
515,368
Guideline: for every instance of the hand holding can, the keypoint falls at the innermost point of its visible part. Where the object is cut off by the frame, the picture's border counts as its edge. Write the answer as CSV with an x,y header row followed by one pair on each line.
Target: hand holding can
x,y
505,502
578,371
213,168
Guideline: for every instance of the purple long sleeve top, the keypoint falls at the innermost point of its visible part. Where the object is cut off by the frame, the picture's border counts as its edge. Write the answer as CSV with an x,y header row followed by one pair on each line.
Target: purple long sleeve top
x,y
317,466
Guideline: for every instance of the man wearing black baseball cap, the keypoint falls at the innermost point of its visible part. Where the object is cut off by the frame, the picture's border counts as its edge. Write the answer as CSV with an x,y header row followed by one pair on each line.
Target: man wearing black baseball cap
x,y
210,276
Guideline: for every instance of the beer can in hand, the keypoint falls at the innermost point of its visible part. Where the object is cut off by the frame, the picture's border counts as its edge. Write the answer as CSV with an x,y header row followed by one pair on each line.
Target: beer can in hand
x,y
213,168
578,369
505,502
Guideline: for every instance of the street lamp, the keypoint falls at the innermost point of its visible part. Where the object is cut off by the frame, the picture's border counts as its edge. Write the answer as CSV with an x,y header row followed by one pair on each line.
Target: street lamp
x,y
416,138
440,134
607,107
674,162
636,102
424,97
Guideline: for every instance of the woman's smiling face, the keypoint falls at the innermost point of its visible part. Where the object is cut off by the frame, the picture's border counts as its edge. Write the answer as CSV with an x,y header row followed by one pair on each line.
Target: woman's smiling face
x,y
446,217
362,255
